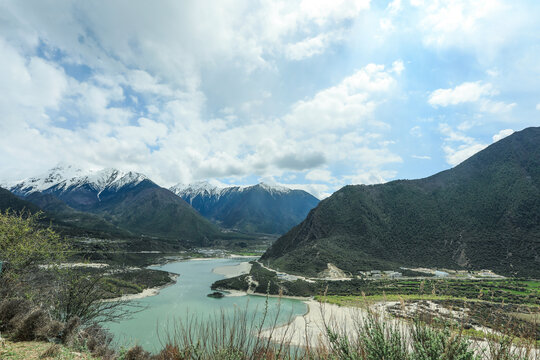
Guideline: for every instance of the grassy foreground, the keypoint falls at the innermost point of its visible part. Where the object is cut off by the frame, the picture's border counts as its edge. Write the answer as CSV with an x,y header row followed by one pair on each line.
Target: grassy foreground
x,y
30,350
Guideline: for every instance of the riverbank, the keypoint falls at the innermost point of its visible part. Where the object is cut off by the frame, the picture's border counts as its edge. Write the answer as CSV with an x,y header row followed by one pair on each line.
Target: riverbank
x,y
310,329
146,292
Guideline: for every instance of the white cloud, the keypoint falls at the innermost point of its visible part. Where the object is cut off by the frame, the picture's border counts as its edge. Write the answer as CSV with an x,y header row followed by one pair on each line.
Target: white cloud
x,y
496,107
457,153
28,86
421,157
322,11
371,176
320,191
320,175
471,92
463,152
502,134
467,24
398,67
458,147
416,131
353,101
466,92
538,107
311,46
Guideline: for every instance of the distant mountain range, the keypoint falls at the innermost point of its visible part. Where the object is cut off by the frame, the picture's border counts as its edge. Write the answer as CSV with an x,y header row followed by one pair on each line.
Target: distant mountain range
x,y
126,202
260,208
123,204
483,213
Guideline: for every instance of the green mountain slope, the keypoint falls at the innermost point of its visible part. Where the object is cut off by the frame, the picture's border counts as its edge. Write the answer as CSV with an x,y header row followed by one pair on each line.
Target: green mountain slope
x,y
125,204
61,217
75,222
484,213
157,212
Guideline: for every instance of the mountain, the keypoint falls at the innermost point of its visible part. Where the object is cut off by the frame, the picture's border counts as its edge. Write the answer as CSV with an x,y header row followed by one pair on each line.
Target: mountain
x,y
10,202
483,213
260,208
61,217
82,190
127,200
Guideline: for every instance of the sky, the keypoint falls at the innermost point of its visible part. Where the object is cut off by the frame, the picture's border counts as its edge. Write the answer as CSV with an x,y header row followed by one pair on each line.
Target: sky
x,y
310,94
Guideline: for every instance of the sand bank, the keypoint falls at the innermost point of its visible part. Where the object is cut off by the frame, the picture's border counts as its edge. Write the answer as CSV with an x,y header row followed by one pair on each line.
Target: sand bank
x,y
230,271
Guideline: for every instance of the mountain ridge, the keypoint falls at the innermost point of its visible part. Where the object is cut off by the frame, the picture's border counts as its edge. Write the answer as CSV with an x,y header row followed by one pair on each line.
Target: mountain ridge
x,y
483,213
127,200
259,208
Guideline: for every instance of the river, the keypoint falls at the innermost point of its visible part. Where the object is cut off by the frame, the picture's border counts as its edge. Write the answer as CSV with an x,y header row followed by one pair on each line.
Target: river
x,y
189,296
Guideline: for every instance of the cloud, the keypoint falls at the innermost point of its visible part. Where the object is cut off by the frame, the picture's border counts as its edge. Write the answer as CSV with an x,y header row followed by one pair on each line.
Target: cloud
x,y
455,156
320,175
538,107
467,24
502,134
416,131
421,157
457,153
294,161
320,191
311,46
478,93
458,147
352,102
371,176
466,92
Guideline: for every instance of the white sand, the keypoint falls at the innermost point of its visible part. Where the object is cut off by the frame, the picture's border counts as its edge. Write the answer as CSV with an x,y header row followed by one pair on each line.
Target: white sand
x,y
310,327
234,293
76,265
230,271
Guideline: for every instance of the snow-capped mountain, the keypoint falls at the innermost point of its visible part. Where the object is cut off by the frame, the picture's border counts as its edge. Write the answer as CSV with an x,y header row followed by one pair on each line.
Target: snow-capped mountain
x,y
205,189
261,208
200,188
65,178
129,200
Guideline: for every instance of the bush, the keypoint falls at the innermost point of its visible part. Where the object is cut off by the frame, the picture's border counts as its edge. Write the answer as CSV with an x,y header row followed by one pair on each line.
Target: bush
x,y
137,353
28,328
11,309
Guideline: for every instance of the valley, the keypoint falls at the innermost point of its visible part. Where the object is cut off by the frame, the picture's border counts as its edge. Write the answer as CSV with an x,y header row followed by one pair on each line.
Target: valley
x,y
451,250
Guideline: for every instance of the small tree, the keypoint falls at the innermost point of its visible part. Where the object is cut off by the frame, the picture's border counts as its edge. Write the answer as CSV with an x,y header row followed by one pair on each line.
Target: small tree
x,y
80,295
24,245
32,268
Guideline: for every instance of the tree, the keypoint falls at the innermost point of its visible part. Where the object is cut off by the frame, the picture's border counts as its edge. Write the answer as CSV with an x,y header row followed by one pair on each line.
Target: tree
x,y
33,267
80,295
24,245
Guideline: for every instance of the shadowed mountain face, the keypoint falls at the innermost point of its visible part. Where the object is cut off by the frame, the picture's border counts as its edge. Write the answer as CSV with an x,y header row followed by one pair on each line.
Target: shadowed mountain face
x,y
484,213
127,201
255,209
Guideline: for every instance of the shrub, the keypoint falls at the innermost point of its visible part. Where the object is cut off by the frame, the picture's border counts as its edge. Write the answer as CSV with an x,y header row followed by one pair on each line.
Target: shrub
x,y
30,325
10,309
137,353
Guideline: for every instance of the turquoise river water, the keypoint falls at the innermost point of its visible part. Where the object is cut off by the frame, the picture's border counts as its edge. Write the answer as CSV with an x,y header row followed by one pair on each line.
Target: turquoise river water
x,y
189,297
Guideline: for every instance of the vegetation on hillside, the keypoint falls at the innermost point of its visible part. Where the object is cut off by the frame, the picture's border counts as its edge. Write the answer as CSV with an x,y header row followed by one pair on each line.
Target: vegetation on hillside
x,y
482,214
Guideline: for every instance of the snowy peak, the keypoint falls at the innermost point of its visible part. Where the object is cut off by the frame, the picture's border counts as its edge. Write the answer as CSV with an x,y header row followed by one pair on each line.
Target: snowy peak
x,y
206,189
59,176
202,188
113,179
64,177
260,208
274,189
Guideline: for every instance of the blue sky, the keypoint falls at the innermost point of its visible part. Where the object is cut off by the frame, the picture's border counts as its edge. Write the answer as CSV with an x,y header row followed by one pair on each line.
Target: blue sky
x,y
311,94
